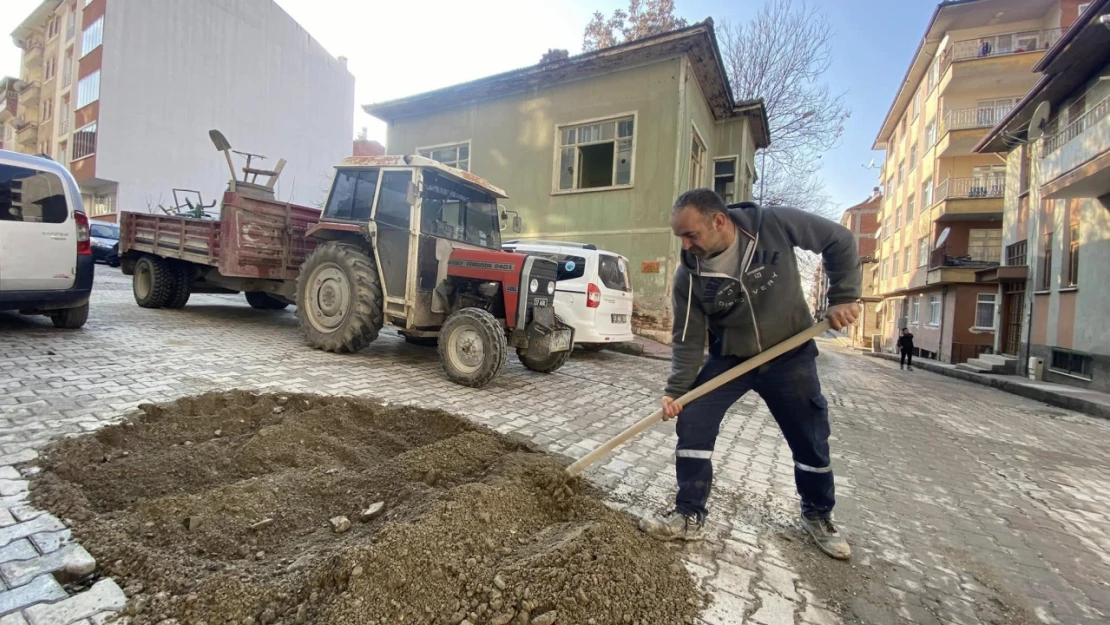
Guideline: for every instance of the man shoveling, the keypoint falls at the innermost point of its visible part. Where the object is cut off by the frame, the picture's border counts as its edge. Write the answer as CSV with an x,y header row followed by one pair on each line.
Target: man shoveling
x,y
738,282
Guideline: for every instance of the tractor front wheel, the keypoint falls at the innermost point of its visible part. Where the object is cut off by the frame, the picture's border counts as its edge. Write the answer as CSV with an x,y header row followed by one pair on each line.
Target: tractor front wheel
x,y
472,347
339,298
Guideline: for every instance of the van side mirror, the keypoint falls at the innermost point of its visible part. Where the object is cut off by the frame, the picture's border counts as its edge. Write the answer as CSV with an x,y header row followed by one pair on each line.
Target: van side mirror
x,y
518,224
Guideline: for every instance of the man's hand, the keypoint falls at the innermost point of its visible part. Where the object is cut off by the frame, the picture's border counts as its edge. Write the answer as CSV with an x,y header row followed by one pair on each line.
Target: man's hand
x,y
842,315
671,408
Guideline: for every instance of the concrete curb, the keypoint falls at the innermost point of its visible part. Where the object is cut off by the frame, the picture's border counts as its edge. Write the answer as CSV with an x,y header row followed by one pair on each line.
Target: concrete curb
x,y
633,348
1059,400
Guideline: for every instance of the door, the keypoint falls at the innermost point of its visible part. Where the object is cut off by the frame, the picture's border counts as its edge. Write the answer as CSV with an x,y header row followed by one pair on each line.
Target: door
x,y
38,237
614,314
393,216
1013,308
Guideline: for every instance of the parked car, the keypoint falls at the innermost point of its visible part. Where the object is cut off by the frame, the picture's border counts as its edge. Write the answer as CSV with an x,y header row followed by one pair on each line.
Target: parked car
x,y
593,292
46,258
105,243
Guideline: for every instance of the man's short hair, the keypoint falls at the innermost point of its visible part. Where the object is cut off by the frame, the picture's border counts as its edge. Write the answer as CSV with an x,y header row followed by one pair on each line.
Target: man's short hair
x,y
706,201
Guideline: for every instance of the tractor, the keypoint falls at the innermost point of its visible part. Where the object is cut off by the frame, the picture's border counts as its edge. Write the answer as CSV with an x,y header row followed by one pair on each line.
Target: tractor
x,y
411,242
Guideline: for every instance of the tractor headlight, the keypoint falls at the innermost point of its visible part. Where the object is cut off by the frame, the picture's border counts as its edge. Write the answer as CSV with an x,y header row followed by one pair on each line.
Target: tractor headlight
x,y
534,285
551,288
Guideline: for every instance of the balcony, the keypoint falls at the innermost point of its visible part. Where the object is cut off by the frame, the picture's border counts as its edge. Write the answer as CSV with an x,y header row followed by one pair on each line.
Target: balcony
x,y
947,264
9,103
961,129
30,91
1076,160
26,132
1002,60
969,198
32,52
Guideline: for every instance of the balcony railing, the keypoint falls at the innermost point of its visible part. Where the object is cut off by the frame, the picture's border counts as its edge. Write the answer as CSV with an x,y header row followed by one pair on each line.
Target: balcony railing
x,y
1093,115
971,188
67,78
32,50
999,45
973,256
963,119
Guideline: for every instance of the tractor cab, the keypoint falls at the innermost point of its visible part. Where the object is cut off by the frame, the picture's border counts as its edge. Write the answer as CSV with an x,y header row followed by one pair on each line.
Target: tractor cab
x,y
411,242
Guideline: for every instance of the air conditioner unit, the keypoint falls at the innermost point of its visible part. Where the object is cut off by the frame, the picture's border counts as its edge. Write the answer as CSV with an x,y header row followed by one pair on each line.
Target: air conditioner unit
x,y
877,343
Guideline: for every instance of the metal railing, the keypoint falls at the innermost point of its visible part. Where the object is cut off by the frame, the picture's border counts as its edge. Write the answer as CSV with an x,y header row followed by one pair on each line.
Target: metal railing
x,y
1077,127
67,78
982,117
970,188
973,256
63,125
1001,44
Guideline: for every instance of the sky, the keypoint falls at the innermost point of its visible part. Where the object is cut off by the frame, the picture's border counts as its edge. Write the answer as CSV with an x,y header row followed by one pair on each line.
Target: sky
x,y
395,49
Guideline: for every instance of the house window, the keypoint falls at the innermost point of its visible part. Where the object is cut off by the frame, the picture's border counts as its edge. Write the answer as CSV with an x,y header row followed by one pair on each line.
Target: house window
x,y
931,133
886,268
88,89
1046,263
596,155
913,157
934,74
984,245
934,310
906,262
455,155
92,36
724,179
886,229
697,161
984,310
84,141
909,209
901,173
927,193
894,263
915,310
1015,253
71,24
923,251
1072,277
916,104
50,69
1071,363
62,155
898,218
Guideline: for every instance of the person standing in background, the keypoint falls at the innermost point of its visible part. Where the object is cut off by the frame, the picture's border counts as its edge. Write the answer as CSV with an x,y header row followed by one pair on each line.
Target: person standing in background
x,y
905,347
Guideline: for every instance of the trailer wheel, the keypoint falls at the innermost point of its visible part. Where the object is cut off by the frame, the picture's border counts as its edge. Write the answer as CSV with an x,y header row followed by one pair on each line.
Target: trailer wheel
x,y
264,301
151,282
472,347
182,285
339,298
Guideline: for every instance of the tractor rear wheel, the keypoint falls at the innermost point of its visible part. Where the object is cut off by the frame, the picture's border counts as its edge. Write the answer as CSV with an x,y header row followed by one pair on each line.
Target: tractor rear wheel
x,y
264,301
151,282
182,285
339,298
472,347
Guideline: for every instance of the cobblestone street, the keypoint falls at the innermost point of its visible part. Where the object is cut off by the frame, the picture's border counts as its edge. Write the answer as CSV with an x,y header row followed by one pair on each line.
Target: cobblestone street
x,y
964,505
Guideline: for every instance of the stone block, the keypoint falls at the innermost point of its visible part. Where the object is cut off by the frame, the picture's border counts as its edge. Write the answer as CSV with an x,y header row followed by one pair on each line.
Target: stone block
x,y
104,596
73,560
40,589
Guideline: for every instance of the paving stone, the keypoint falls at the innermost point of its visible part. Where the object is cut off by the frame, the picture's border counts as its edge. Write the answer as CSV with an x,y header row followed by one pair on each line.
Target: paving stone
x,y
73,560
15,618
773,610
19,457
47,542
21,549
104,596
814,615
40,589
44,523
725,609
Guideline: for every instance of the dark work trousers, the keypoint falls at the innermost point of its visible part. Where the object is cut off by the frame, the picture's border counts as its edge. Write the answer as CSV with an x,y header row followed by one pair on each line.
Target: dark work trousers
x,y
792,392
907,358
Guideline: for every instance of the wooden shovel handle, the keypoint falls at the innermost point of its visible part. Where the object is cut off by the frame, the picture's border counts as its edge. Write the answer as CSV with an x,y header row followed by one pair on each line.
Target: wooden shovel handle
x,y
644,424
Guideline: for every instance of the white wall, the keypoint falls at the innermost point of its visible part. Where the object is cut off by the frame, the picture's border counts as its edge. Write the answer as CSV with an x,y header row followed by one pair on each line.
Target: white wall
x,y
174,70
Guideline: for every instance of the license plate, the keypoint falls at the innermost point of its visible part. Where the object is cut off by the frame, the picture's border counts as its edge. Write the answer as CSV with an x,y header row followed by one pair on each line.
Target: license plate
x,y
560,340
620,318
539,301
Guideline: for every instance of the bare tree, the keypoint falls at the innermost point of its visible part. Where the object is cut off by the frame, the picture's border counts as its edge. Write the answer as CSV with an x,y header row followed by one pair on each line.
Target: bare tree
x,y
781,55
644,18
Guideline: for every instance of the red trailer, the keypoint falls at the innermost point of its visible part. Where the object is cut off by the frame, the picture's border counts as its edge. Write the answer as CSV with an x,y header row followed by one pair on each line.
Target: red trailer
x,y
256,247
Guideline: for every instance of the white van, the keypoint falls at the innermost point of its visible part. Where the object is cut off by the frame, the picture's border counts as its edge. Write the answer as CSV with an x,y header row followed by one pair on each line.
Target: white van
x,y
593,293
46,259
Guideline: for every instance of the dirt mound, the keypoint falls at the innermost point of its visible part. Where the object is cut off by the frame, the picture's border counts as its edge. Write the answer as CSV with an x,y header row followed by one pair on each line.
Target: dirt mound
x,y
223,509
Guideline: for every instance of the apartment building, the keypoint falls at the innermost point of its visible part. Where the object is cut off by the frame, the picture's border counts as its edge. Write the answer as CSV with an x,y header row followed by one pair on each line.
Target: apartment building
x,y
941,215
124,93
1056,224
863,220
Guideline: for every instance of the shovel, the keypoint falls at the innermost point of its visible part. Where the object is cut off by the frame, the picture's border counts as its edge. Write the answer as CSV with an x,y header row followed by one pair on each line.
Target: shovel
x,y
644,424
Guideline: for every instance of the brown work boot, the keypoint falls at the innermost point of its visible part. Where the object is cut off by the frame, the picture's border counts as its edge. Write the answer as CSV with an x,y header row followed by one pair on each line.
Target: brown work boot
x,y
673,526
828,537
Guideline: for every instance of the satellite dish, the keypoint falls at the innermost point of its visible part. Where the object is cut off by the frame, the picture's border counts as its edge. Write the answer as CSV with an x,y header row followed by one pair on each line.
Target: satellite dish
x,y
942,238
1039,121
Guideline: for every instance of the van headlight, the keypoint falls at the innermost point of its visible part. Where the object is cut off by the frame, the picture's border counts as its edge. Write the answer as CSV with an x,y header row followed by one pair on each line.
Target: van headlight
x,y
551,288
534,285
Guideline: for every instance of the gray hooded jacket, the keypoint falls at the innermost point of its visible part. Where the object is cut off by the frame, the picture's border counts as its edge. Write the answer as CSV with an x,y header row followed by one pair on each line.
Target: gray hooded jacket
x,y
764,305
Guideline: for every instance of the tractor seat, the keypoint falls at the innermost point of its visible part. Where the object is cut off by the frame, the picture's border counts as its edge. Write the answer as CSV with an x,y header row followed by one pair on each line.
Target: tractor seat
x,y
259,172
